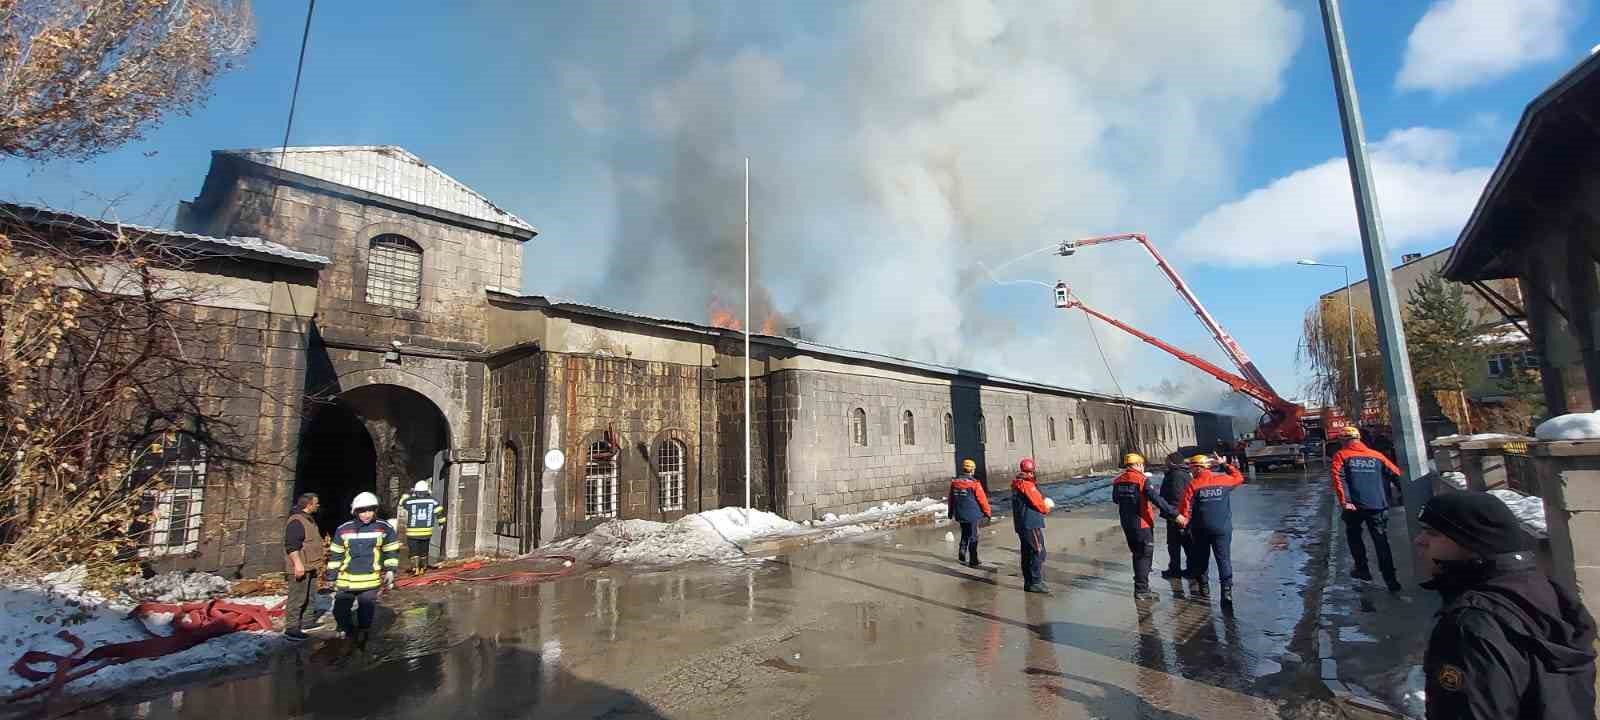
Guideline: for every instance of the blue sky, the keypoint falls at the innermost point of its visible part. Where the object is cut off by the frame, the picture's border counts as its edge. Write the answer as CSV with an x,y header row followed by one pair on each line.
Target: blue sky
x,y
900,148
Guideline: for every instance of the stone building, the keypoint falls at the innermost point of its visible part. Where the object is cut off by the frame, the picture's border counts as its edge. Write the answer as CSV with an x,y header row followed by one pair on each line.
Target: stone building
x,y
383,310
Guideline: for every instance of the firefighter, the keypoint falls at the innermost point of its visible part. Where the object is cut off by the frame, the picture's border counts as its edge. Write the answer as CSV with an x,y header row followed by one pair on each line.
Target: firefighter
x,y
1133,499
1361,477
421,512
1206,510
1028,509
1177,478
1509,641
361,559
967,504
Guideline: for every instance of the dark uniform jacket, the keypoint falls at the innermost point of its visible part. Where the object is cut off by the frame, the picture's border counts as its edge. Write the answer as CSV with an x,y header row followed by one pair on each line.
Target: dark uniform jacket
x,y
968,502
1173,484
1027,505
1360,476
361,552
421,512
1510,643
1132,496
1208,503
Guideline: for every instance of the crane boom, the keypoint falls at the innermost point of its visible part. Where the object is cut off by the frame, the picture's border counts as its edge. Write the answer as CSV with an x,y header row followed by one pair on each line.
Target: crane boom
x,y
1281,421
1229,346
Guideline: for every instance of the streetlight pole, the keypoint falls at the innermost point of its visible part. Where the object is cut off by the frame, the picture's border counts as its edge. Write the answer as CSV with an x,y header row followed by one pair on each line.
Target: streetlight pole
x,y
1406,420
1350,309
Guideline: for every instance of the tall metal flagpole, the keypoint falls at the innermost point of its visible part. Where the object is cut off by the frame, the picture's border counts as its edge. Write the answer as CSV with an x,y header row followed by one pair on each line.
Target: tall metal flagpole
x,y
1403,414
747,337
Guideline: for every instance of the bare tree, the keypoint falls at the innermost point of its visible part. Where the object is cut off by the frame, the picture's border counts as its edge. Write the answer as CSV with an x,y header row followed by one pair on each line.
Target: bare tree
x,y
105,371
1325,350
81,77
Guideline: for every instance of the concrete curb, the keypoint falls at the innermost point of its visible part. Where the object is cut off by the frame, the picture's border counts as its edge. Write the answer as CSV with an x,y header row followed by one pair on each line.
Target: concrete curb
x,y
1352,704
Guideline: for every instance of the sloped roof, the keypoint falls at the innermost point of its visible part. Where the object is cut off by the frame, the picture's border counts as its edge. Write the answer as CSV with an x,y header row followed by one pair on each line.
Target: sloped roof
x,y
816,348
387,170
232,246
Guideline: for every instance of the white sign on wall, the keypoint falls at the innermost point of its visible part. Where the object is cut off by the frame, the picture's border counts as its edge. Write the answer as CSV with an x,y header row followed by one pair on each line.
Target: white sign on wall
x,y
554,460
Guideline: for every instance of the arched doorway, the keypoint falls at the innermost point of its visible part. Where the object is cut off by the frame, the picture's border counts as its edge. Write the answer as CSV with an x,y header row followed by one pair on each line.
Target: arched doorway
x,y
373,438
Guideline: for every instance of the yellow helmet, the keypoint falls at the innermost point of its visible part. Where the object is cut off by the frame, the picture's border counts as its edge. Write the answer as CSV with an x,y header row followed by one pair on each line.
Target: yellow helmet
x,y
968,465
1350,431
1132,459
1201,459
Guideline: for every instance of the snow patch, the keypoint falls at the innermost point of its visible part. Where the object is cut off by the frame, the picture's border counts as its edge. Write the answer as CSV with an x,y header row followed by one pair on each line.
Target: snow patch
x,y
32,611
178,586
1576,426
1529,510
1495,436
1456,480
710,535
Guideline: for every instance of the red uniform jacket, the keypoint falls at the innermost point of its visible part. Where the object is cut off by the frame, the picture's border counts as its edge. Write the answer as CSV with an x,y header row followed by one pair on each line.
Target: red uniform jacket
x,y
966,492
1358,476
1205,501
1131,494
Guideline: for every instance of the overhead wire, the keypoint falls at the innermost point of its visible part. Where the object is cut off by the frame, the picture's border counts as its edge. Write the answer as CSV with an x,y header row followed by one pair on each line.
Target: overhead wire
x,y
294,96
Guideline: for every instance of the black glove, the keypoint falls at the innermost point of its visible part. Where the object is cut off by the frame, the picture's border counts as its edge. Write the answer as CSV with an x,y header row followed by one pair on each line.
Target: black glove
x,y
330,576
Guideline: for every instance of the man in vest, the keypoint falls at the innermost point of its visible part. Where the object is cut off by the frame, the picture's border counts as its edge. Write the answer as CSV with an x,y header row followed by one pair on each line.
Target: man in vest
x,y
362,558
421,512
968,504
305,555
1206,509
1361,477
1028,509
1133,499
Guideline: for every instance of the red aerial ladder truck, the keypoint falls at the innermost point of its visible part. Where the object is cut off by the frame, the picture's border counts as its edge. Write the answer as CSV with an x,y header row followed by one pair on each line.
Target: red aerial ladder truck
x,y
1280,422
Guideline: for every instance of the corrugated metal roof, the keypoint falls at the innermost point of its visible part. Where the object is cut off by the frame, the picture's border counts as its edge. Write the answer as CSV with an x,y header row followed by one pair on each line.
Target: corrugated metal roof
x,y
233,245
386,170
815,348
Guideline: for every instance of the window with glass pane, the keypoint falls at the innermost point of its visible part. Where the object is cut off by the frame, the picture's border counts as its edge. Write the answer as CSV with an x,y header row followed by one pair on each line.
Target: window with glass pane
x,y
669,473
858,427
908,428
600,482
394,272
177,464
949,429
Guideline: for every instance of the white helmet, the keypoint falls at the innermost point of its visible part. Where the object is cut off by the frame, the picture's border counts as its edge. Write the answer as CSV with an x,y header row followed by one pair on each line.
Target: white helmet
x,y
421,486
364,500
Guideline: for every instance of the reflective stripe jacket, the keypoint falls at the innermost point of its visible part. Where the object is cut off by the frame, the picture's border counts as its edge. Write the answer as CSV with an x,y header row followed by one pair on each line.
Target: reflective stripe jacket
x,y
1133,498
1207,502
968,502
360,552
1358,476
421,512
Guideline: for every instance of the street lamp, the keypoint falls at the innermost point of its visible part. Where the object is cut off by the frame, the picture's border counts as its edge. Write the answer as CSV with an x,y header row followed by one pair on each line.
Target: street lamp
x,y
1349,306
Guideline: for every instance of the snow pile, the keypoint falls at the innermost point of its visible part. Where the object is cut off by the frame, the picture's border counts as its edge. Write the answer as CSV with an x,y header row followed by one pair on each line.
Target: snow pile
x,y
1495,436
33,611
1455,479
178,586
887,510
711,535
1529,510
1577,426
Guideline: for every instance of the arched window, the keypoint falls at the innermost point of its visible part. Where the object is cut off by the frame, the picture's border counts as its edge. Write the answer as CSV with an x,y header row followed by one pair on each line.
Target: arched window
x,y
983,430
949,429
1011,431
908,428
858,427
1072,430
508,492
600,481
669,473
1102,431
394,272
1050,425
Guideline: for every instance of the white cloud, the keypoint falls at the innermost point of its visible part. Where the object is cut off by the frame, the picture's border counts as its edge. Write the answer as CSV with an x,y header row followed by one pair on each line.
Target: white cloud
x,y
1422,195
586,100
1461,43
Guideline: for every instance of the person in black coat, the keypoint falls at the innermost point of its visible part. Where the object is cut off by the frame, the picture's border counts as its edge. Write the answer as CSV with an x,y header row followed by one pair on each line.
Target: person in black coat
x,y
1177,478
1509,641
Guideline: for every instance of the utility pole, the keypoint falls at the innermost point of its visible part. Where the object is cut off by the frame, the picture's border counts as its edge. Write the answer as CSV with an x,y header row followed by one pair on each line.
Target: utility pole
x,y
747,339
1403,414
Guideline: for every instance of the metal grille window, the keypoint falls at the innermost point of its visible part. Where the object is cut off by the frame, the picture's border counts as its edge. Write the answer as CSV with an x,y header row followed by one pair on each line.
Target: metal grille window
x,y
600,482
1072,430
669,472
1011,431
908,428
394,272
1051,426
949,429
858,427
983,430
508,492
178,466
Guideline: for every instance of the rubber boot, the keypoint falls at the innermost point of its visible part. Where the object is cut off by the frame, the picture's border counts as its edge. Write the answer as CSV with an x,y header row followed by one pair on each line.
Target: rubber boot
x,y
1145,596
1199,587
1227,596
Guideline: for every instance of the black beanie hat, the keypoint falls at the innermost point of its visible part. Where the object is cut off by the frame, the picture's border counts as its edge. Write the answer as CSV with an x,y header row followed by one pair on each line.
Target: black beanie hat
x,y
1477,521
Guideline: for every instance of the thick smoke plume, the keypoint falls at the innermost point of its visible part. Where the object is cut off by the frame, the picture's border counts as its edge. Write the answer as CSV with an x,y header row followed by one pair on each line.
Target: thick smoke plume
x,y
900,147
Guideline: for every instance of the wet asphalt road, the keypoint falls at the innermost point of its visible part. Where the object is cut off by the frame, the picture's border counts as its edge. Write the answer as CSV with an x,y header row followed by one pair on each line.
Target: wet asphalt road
x,y
888,626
